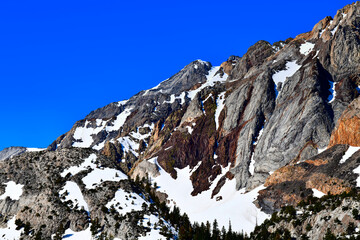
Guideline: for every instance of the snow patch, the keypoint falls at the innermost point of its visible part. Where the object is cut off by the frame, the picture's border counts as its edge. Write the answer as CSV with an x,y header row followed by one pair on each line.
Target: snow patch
x,y
97,176
351,150
121,103
154,234
35,149
201,208
12,190
73,193
137,135
190,129
357,171
220,104
306,48
252,161
124,202
290,69
10,232
129,145
120,120
211,79
252,165
83,235
334,30
317,193
173,98
320,150
88,162
332,90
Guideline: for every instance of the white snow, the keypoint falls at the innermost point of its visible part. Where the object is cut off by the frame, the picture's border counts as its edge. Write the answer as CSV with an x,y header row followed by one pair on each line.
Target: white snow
x,y
84,134
196,66
357,171
35,149
220,104
239,208
82,235
317,193
334,30
123,102
252,165
190,129
306,48
351,150
211,79
97,176
316,55
322,31
252,161
137,135
209,96
75,195
153,160
154,234
125,202
129,144
88,162
320,150
10,232
290,69
12,190
173,97
120,120
332,96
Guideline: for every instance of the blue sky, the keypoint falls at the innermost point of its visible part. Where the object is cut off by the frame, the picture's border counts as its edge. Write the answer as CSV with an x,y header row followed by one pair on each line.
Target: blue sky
x,y
59,60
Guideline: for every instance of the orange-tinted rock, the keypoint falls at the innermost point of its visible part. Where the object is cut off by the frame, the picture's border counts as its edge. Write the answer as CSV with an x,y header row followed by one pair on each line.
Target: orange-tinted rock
x,y
347,130
227,66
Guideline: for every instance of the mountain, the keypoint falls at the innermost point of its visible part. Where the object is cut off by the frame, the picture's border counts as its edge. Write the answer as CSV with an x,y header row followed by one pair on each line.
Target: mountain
x,y
259,132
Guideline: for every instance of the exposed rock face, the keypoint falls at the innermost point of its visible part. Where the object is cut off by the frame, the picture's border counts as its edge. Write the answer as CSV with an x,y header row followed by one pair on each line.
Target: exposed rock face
x,y
325,172
347,130
328,218
11,151
255,56
42,204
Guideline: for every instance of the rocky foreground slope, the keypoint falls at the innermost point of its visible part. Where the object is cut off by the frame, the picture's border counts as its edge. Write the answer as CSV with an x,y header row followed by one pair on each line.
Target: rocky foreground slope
x,y
276,125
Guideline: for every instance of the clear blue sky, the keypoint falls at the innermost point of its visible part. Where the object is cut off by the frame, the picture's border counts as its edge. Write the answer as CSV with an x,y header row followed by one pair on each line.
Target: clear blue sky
x,y
61,59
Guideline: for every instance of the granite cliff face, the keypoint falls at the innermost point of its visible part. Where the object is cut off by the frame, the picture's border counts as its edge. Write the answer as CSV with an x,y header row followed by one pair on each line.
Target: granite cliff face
x,y
254,127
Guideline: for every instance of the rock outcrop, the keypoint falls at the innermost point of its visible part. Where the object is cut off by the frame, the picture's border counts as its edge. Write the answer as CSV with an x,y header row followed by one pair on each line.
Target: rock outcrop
x,y
347,130
11,151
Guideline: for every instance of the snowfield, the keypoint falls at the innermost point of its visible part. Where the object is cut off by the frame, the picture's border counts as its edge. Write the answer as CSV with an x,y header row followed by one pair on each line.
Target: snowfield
x,y
89,162
211,79
125,202
317,193
220,104
306,48
290,69
12,190
82,235
351,150
10,232
239,208
74,194
97,176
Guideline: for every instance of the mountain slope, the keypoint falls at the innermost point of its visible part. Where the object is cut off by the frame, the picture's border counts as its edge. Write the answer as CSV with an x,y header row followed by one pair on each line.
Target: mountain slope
x,y
254,128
